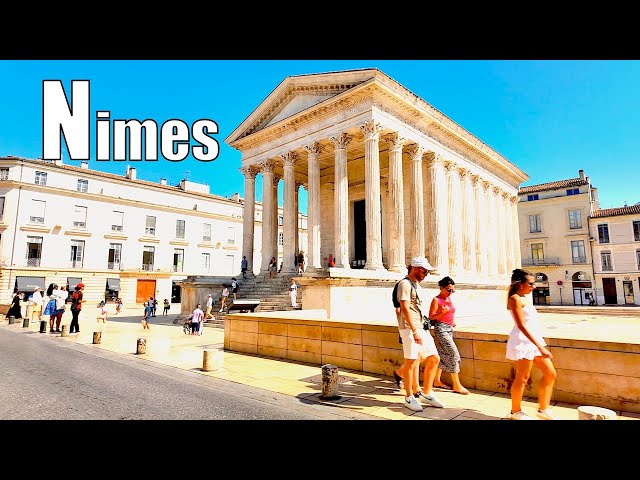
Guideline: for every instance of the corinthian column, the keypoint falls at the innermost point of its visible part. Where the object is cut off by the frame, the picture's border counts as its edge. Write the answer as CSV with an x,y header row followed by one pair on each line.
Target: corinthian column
x,y
468,222
454,215
492,232
415,152
313,206
397,256
341,201
508,228
289,222
274,218
296,196
248,215
502,232
439,222
480,225
373,218
515,226
267,214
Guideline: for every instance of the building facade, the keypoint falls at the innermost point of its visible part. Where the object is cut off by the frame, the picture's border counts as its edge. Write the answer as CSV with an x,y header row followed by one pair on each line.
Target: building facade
x,y
554,239
388,177
119,235
615,238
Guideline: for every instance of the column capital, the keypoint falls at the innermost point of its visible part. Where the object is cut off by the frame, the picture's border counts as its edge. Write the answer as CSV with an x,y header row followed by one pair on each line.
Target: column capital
x,y
486,185
476,180
267,166
248,171
496,190
450,166
415,151
315,148
276,180
394,140
341,141
463,172
290,158
297,186
371,129
432,159
506,195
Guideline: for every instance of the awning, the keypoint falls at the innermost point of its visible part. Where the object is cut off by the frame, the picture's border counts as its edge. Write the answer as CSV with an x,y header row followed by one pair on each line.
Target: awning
x,y
29,284
113,284
72,282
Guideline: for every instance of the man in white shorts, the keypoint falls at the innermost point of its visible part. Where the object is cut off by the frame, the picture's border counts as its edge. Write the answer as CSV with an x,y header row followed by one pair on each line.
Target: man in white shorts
x,y
418,345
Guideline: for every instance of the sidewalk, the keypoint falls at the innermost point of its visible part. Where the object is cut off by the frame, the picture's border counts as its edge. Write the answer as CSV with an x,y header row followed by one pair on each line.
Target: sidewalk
x,y
373,395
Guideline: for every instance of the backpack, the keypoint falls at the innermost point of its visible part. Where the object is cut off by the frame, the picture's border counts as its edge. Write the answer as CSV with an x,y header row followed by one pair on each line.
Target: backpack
x,y
394,294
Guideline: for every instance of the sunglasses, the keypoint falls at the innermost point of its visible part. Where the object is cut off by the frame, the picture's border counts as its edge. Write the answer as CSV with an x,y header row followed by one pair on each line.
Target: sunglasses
x,y
450,290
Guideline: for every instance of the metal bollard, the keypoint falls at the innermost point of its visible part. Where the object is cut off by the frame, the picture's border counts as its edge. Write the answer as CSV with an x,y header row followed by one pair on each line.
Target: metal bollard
x,y
43,326
12,319
329,382
97,337
141,346
65,331
25,322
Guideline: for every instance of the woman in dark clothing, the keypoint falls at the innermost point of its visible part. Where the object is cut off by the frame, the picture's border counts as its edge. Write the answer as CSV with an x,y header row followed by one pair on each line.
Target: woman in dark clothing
x,y
15,309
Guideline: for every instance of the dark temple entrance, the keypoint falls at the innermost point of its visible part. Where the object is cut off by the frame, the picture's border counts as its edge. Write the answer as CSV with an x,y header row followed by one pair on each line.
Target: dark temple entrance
x,y
359,235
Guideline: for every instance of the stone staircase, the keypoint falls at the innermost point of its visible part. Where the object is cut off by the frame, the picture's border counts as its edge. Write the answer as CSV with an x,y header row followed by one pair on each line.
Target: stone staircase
x,y
273,295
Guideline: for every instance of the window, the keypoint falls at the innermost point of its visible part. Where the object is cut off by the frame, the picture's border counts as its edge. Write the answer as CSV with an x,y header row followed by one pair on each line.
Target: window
x,y
537,252
636,230
231,235
575,219
573,191
80,216
83,185
206,262
77,253
114,255
280,219
34,251
206,232
533,197
117,222
179,228
37,211
534,223
1,207
281,238
605,258
603,233
41,178
178,259
4,174
150,226
638,259
147,256
578,254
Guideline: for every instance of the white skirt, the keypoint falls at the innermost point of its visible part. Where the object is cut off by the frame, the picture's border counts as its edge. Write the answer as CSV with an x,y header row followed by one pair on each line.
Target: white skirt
x,y
520,347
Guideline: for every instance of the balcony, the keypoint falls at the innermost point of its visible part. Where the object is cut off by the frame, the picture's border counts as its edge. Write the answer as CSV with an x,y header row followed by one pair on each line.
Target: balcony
x,y
75,264
36,219
579,260
116,228
79,224
540,262
607,268
113,265
150,231
4,174
33,262
147,267
176,268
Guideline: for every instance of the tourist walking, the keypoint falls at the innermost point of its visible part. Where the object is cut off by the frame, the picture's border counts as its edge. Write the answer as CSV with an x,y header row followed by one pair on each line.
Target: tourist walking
x,y
418,345
76,308
293,293
273,265
148,310
101,316
51,309
442,315
197,317
208,308
36,305
244,264
118,305
15,310
223,298
526,347
61,305
234,288
165,307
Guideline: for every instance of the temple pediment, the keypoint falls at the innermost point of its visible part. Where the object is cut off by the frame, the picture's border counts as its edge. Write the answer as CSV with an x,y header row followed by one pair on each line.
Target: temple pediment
x,y
296,94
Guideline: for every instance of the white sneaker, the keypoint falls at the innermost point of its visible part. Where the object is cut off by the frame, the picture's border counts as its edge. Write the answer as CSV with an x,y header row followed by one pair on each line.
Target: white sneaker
x,y
545,414
430,400
412,404
520,416
220,311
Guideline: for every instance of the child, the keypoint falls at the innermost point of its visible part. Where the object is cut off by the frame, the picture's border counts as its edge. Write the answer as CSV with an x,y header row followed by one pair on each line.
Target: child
x,y
118,305
167,306
101,316
225,295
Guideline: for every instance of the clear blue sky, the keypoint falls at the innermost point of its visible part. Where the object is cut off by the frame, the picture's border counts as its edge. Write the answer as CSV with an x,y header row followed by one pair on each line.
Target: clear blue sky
x,y
550,118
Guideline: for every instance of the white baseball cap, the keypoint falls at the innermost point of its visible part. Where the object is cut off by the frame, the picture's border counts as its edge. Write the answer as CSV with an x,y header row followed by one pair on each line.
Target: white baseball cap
x,y
421,262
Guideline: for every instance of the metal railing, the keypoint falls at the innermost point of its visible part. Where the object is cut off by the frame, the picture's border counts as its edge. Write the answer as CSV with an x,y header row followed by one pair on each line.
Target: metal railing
x,y
579,260
36,219
147,267
176,268
4,174
116,228
75,263
150,231
80,224
33,262
541,261
113,265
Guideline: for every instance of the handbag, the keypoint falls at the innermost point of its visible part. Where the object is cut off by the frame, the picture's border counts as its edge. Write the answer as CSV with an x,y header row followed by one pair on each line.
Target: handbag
x,y
426,323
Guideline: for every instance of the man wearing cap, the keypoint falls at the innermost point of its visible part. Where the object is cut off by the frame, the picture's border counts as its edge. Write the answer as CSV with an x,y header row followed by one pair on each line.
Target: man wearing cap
x,y
76,307
207,313
417,344
36,307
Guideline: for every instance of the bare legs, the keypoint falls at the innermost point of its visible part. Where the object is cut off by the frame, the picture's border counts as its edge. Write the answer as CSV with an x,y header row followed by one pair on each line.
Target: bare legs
x,y
548,380
455,380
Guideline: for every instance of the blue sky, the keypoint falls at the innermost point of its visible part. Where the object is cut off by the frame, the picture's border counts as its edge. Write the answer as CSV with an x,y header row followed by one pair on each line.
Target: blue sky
x,y
550,118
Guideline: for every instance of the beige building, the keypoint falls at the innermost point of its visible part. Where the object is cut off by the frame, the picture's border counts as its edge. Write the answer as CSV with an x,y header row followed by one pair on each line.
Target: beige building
x,y
554,239
388,177
119,235
615,234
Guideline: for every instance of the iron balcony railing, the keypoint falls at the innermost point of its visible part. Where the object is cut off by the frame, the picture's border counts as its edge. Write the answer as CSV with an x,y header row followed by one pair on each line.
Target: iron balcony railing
x,y
579,259
147,266
116,228
36,219
113,265
33,262
541,261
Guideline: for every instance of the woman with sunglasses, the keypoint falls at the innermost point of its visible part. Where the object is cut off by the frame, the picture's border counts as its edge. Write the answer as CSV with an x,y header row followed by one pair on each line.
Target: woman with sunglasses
x,y
526,347
442,315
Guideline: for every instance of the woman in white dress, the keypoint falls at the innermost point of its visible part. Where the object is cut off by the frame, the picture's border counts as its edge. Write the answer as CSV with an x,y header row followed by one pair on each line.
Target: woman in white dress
x,y
526,347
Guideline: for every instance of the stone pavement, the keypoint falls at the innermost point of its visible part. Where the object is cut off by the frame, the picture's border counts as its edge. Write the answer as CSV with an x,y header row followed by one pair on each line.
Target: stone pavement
x,y
374,395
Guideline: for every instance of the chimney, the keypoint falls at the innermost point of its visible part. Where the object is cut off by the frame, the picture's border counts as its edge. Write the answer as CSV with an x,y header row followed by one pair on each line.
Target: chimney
x,y
84,165
235,197
131,173
581,173
163,181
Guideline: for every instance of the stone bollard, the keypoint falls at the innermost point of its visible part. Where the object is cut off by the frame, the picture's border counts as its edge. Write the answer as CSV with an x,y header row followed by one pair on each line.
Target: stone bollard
x,y
595,413
43,326
12,319
25,322
210,359
142,346
329,382
97,337
65,330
